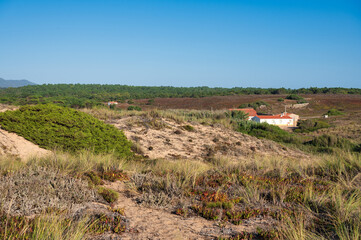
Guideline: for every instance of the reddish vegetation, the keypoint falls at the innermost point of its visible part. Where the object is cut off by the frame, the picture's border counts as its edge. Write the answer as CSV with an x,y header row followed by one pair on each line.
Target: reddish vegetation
x,y
318,102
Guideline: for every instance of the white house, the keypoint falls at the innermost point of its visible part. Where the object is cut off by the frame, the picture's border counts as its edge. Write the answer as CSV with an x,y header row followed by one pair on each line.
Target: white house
x,y
279,120
112,103
295,117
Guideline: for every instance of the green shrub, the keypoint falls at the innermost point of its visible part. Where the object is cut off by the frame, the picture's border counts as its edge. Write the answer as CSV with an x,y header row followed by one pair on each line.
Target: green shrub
x,y
51,126
239,115
94,178
109,195
254,105
265,130
188,128
325,141
334,112
135,108
294,97
280,100
311,125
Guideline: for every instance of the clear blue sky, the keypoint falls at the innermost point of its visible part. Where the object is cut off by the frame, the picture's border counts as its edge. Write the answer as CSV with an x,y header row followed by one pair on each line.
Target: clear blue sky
x,y
251,43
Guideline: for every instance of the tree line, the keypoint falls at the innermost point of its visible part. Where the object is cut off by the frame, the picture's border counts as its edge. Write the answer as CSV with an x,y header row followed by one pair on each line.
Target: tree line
x,y
88,95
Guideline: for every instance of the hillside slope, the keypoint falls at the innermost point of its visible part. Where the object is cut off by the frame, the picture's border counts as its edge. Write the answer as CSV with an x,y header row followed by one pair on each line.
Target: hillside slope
x,y
166,138
14,83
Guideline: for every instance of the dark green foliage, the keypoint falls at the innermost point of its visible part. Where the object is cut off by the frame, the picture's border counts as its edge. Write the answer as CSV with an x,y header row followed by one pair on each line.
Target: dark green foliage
x,y
280,100
88,95
52,126
311,125
239,115
134,108
265,130
326,143
150,102
188,128
109,195
94,179
294,97
334,112
254,105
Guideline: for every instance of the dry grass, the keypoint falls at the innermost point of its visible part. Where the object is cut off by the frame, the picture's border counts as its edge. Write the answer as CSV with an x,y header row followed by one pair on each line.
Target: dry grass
x,y
329,203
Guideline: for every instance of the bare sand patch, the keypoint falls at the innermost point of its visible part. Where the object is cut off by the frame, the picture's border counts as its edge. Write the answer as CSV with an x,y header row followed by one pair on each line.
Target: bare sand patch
x,y
168,139
14,145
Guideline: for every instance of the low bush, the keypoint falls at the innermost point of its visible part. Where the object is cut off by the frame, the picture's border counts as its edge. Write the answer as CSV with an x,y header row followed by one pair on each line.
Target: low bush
x,y
294,97
188,128
237,115
51,126
334,112
134,108
311,125
109,195
325,143
265,130
254,105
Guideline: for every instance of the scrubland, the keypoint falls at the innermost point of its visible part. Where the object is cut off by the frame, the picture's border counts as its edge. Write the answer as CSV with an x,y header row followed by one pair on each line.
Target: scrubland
x,y
87,195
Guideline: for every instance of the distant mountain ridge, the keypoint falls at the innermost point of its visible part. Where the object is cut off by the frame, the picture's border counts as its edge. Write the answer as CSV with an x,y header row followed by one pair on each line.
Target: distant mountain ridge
x,y
14,83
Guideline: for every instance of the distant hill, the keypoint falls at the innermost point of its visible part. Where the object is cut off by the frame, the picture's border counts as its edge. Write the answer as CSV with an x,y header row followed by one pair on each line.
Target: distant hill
x,y
14,83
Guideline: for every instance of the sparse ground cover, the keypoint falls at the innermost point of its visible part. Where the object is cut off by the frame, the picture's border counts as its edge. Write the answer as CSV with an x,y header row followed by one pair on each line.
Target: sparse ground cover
x,y
266,197
257,196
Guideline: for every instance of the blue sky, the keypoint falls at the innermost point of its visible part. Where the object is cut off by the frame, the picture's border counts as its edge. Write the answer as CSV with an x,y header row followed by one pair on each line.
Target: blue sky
x,y
251,43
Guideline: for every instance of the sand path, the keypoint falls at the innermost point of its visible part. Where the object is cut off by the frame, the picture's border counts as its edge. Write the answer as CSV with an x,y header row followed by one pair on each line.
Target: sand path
x,y
147,223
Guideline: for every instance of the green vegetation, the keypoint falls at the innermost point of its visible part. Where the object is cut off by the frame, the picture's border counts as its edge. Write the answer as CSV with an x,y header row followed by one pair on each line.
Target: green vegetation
x,y
52,126
109,195
296,97
89,95
334,112
327,143
280,100
311,125
265,130
324,143
237,115
134,108
315,197
188,128
253,105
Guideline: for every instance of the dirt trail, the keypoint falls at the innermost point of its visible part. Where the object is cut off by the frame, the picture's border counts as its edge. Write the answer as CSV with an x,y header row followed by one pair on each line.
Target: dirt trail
x,y
146,223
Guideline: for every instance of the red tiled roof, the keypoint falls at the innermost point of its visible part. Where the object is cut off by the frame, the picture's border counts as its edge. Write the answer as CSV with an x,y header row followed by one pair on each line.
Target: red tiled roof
x,y
273,117
250,111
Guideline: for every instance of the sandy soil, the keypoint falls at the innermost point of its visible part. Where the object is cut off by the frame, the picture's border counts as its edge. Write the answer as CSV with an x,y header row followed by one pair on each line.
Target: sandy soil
x,y
170,140
14,145
146,223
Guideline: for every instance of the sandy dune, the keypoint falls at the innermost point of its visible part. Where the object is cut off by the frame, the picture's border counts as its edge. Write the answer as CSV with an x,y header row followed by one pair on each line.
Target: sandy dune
x,y
172,141
14,145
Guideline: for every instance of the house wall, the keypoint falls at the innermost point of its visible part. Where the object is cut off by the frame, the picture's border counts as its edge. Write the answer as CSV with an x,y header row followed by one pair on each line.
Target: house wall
x,y
278,122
